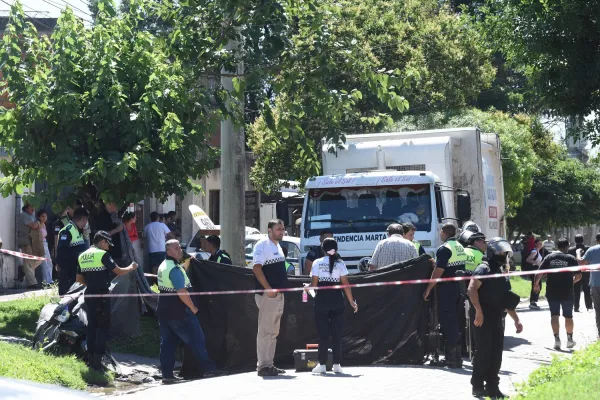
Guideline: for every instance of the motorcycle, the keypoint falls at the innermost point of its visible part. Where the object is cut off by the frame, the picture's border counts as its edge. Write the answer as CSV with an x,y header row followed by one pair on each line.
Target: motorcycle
x,y
62,328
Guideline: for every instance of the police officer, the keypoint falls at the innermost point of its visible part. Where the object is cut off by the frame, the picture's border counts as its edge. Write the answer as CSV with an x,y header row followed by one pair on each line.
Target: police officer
x,y
450,257
409,234
490,299
71,244
316,252
475,251
289,267
95,266
213,246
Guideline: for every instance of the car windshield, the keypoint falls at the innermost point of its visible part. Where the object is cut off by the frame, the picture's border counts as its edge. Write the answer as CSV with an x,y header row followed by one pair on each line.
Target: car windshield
x,y
367,209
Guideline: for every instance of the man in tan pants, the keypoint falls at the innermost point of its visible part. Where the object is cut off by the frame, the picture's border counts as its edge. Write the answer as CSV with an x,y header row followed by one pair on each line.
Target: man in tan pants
x,y
270,272
25,225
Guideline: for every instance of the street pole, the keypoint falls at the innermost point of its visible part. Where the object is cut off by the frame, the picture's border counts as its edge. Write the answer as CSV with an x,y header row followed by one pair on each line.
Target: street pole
x,y
233,173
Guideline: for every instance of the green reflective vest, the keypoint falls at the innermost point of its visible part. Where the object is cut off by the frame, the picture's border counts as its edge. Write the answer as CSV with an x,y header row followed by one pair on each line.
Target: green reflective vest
x,y
289,268
91,260
222,256
417,246
76,236
164,279
459,257
474,258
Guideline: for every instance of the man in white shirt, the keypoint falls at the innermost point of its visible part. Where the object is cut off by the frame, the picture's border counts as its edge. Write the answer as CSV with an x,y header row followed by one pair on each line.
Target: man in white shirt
x,y
549,244
270,273
156,234
392,250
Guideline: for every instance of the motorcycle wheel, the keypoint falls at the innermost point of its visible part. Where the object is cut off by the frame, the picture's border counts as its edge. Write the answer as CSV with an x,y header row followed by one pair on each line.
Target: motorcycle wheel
x,y
47,334
109,362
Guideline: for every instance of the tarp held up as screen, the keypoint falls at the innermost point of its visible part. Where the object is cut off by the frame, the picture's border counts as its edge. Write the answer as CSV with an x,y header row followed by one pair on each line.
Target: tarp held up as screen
x,y
390,326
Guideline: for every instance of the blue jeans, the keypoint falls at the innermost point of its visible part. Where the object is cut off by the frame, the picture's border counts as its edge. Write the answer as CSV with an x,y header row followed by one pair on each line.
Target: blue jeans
x,y
189,331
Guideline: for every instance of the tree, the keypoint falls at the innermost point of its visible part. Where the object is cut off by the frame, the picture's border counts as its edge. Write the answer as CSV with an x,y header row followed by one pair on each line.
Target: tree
x,y
556,45
436,56
519,135
102,110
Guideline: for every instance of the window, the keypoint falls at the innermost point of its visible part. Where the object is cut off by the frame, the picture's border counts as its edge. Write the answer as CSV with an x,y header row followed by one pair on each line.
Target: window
x,y
214,206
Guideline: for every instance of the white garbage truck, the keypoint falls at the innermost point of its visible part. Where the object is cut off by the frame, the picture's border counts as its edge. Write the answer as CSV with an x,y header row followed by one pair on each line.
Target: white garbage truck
x,y
424,177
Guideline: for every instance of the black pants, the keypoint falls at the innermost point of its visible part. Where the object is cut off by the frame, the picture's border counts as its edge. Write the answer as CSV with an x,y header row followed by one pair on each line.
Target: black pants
x,y
98,329
584,284
535,297
449,303
329,325
489,343
66,278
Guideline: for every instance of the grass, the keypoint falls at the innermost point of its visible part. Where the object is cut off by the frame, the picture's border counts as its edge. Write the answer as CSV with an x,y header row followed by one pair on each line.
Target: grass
x,y
522,287
145,345
572,378
19,317
20,362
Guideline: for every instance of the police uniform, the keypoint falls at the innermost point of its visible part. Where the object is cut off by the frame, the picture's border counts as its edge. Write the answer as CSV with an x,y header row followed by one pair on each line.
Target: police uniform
x,y
176,321
289,268
70,245
221,257
474,257
96,266
419,247
450,257
489,337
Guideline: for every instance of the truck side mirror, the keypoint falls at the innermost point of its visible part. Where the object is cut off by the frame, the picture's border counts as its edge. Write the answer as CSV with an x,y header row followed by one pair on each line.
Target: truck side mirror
x,y
463,206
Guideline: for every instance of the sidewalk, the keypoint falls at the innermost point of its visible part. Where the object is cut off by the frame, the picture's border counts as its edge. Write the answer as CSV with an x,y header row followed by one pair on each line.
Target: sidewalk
x,y
16,294
522,354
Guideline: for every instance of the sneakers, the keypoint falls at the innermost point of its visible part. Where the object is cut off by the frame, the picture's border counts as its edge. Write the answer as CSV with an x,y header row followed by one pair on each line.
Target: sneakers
x,y
556,344
319,369
279,370
267,371
534,306
337,368
570,343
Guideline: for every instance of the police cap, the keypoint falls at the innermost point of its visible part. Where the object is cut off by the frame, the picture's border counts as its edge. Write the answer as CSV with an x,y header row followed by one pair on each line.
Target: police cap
x,y
103,235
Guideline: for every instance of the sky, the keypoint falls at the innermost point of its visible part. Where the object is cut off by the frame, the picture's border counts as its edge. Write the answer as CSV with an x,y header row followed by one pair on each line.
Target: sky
x,y
50,8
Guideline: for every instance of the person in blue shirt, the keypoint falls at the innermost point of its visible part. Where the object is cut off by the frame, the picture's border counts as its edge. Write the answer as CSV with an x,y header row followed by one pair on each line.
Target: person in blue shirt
x,y
592,256
177,315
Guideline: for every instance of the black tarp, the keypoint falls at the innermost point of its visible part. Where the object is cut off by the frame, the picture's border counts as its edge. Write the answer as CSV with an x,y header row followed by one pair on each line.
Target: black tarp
x,y
391,325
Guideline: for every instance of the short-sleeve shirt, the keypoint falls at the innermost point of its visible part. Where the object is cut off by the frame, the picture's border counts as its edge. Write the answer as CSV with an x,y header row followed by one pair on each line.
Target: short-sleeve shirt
x,y
98,282
270,256
105,223
156,233
177,278
593,257
315,253
442,256
23,230
331,298
393,250
491,292
559,286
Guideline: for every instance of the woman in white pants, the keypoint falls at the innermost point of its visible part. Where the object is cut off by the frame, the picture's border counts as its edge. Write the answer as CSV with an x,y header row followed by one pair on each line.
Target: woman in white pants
x,y
46,265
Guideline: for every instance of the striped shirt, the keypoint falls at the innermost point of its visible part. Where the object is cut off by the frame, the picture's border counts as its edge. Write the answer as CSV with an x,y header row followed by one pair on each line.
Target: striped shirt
x,y
393,250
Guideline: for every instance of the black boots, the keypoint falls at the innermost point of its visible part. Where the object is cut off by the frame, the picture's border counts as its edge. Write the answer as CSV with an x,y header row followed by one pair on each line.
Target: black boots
x,y
453,357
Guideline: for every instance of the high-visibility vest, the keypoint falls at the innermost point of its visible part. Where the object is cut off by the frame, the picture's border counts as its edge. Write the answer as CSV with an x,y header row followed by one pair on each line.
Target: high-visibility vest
x,y
164,279
459,257
222,256
474,258
91,260
417,246
76,236
289,268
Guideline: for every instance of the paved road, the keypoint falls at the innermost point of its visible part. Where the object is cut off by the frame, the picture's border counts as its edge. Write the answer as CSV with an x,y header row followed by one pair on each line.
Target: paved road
x,y
522,354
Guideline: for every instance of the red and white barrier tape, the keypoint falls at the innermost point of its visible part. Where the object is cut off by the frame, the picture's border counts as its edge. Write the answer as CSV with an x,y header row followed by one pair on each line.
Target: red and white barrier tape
x,y
22,255
584,268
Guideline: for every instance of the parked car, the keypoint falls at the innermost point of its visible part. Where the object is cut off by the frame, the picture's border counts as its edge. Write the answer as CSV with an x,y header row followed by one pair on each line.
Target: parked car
x,y
291,243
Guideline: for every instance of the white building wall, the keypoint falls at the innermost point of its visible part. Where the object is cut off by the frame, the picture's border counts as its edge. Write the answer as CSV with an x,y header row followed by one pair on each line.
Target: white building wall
x,y
8,235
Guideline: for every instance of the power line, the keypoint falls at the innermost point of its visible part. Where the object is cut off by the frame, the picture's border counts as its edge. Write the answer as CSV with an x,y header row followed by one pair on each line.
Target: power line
x,y
78,9
33,19
62,9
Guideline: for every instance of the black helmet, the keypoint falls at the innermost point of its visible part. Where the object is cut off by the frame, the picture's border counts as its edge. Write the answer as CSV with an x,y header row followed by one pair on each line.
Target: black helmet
x,y
471,226
476,236
498,246
465,237
363,264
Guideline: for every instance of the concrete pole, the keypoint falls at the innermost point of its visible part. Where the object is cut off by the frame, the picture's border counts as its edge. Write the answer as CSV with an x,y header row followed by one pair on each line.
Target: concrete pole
x,y
233,173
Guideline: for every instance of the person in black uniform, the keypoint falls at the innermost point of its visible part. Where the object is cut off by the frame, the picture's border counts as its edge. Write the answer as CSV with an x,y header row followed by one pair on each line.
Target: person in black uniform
x,y
584,283
450,257
213,246
71,244
316,252
94,271
491,298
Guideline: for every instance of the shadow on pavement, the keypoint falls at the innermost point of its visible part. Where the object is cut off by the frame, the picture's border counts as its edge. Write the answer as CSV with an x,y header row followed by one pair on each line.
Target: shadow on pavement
x,y
278,377
339,376
511,342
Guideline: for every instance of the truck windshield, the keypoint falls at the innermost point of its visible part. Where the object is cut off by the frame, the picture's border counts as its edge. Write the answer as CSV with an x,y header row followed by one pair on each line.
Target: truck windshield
x,y
367,209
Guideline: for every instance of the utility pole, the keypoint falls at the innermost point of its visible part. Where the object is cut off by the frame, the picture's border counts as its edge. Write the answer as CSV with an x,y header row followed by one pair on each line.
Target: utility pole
x,y
233,175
